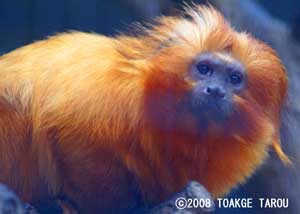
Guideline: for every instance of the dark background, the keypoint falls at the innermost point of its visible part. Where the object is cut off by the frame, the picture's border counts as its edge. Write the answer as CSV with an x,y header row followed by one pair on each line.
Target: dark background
x,y
25,21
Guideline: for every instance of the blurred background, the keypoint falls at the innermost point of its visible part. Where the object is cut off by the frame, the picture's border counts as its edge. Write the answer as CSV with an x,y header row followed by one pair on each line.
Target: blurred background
x,y
276,22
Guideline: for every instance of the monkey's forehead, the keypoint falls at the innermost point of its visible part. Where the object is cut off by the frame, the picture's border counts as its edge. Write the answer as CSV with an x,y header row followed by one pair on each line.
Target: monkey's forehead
x,y
219,58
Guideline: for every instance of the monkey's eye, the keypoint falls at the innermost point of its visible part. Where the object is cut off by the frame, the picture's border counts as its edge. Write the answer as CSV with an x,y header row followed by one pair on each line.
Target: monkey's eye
x,y
235,78
204,69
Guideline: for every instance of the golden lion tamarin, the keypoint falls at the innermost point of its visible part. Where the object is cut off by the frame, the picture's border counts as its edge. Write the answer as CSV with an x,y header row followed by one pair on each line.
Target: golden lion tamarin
x,y
110,122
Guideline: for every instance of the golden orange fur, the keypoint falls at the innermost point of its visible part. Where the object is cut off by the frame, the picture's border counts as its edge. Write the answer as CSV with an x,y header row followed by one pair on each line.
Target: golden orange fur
x,y
98,119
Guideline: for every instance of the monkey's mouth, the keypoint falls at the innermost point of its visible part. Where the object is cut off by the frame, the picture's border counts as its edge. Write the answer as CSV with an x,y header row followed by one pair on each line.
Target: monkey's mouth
x,y
206,109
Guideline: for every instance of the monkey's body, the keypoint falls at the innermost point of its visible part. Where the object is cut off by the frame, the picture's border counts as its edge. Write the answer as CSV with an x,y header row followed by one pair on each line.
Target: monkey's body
x,y
46,124
105,121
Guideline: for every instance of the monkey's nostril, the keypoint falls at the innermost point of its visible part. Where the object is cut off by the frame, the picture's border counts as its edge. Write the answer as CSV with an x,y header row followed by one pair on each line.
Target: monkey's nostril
x,y
207,90
221,94
215,92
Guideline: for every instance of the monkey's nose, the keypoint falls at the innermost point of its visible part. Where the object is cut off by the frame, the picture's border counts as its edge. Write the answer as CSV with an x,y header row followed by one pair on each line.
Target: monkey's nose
x,y
215,91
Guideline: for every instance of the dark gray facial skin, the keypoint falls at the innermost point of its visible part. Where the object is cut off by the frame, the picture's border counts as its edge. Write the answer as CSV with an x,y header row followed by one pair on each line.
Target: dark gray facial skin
x,y
218,77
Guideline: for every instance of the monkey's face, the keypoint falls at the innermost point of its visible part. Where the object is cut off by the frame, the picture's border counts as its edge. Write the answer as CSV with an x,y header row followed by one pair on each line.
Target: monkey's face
x,y
217,78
